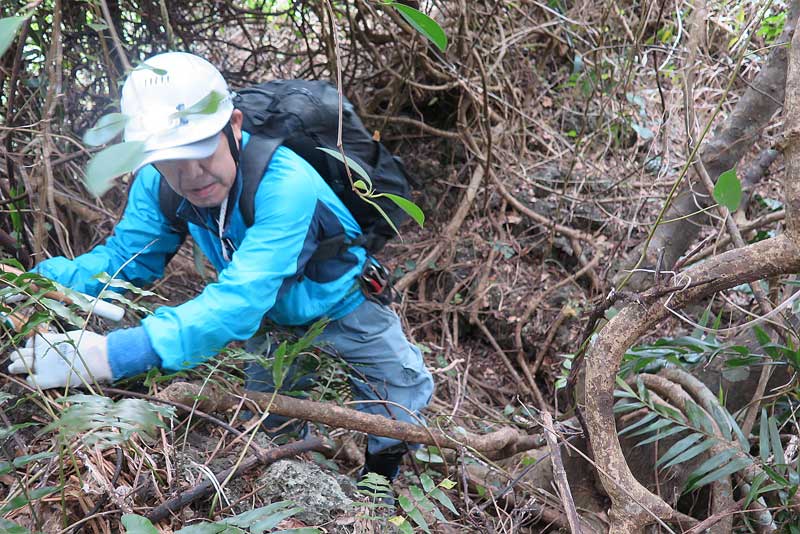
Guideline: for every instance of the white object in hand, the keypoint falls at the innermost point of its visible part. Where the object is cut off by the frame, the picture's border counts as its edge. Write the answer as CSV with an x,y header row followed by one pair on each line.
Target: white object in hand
x,y
57,360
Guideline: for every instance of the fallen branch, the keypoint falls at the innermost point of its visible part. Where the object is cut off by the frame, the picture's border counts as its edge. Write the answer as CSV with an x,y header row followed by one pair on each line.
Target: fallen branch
x,y
499,444
560,474
207,487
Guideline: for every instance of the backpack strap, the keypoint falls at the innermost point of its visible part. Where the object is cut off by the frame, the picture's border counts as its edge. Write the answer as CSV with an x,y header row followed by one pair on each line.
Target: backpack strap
x,y
253,164
254,161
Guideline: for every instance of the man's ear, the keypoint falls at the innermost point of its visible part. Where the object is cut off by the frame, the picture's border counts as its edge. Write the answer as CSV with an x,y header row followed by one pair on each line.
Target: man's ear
x,y
236,125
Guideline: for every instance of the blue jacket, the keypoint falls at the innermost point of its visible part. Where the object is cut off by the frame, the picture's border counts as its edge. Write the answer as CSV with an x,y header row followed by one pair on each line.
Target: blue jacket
x,y
269,272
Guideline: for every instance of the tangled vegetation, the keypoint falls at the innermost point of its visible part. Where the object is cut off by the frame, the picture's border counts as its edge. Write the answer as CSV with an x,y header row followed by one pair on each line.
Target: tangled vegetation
x,y
603,287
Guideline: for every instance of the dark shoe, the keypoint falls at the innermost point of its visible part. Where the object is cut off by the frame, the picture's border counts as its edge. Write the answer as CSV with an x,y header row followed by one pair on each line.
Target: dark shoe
x,y
386,462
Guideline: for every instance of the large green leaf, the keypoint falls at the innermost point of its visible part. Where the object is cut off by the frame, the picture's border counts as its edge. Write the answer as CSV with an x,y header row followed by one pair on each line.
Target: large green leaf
x,y
111,162
728,190
662,435
351,163
678,447
9,27
136,524
21,500
653,427
643,421
440,496
690,453
730,468
711,464
106,129
205,106
409,207
423,24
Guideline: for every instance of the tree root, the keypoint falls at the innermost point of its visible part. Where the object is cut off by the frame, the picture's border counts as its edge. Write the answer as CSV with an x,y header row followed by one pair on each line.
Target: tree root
x,y
633,504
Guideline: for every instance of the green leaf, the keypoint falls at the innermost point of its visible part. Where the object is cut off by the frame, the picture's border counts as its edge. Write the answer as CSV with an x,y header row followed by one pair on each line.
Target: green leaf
x,y
624,385
136,524
272,520
111,162
9,527
63,311
710,464
728,190
413,512
427,482
402,525
763,437
678,447
775,440
361,186
22,461
424,454
98,26
661,435
699,418
203,528
653,427
734,466
21,500
105,130
423,24
440,496
9,27
691,453
447,484
406,205
205,106
383,214
754,493
643,421
351,163
277,365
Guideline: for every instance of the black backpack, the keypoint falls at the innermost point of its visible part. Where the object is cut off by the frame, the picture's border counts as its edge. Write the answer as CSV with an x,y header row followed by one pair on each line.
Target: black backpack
x,y
303,115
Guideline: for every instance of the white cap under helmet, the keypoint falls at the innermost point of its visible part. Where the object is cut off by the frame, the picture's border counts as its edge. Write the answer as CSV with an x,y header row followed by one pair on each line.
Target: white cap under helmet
x,y
160,87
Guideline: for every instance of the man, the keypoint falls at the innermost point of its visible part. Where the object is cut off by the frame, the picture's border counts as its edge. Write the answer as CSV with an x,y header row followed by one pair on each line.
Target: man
x,y
265,269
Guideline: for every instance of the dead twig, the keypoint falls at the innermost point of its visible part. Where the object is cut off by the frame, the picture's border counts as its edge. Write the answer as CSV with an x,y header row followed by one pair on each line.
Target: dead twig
x,y
560,474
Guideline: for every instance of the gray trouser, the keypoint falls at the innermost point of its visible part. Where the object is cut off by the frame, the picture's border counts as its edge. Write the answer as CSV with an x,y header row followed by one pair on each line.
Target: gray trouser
x,y
370,339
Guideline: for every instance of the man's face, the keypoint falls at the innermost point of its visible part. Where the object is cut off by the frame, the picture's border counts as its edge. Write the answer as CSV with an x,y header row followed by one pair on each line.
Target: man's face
x,y
205,182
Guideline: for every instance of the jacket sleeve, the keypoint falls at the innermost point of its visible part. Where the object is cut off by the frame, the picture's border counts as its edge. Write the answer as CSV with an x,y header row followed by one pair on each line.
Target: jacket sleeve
x,y
143,239
232,308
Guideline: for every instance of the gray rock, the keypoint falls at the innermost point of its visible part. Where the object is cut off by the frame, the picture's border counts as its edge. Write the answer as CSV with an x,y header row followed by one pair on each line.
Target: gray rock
x,y
307,486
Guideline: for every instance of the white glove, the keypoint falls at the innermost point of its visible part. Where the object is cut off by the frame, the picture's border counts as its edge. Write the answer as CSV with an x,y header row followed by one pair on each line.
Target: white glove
x,y
58,360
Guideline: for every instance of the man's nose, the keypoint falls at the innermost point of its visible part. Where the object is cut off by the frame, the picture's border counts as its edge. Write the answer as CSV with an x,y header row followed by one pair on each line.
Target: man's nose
x,y
189,170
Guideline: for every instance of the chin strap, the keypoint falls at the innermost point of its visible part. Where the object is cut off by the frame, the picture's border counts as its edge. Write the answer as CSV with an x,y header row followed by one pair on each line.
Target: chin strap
x,y
234,148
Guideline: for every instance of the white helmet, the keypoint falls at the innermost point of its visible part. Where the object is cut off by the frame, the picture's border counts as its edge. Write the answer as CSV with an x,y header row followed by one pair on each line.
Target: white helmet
x,y
164,85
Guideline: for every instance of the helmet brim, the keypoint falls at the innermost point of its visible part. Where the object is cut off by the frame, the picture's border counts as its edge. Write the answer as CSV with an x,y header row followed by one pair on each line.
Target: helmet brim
x,y
197,150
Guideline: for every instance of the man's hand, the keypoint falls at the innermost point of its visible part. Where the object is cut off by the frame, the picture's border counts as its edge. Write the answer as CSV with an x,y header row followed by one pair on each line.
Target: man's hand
x,y
57,360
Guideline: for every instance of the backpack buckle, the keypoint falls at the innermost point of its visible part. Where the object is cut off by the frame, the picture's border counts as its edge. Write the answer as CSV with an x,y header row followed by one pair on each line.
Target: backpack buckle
x,y
376,283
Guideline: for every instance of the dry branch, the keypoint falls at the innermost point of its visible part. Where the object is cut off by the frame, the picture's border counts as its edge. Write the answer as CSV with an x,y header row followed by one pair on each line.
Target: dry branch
x,y
560,474
499,444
